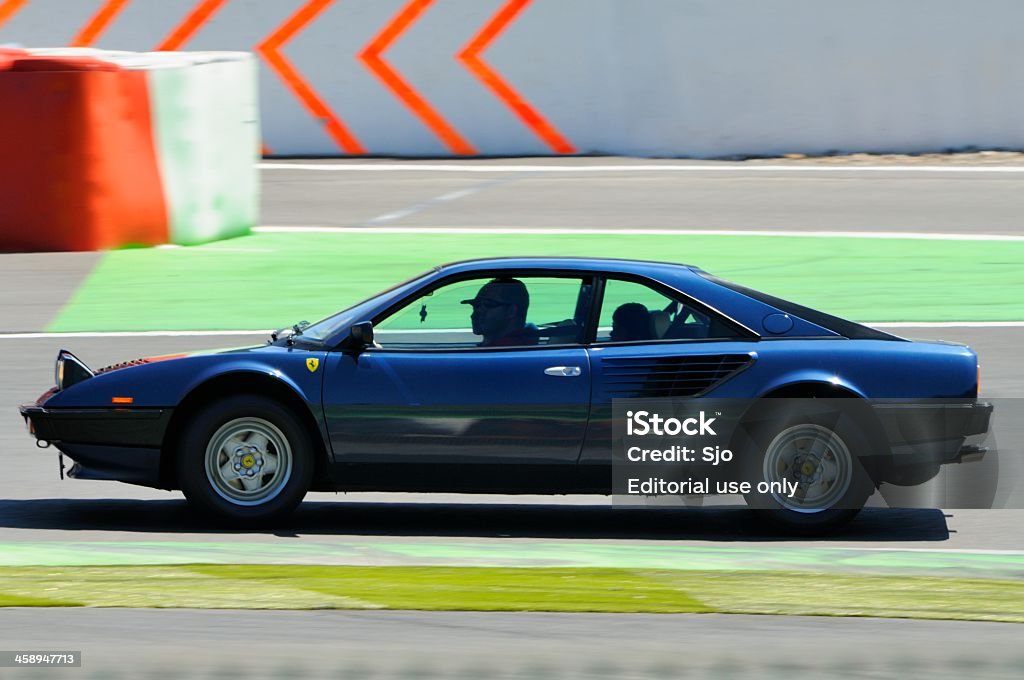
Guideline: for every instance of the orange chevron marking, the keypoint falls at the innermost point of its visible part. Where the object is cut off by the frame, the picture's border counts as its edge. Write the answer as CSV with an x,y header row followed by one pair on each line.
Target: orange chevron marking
x,y
192,22
269,49
8,8
471,57
98,23
372,56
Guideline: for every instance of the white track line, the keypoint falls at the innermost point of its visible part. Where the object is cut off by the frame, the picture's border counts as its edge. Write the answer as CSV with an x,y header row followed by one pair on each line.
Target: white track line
x,y
429,203
519,231
946,324
741,169
954,551
126,334
174,334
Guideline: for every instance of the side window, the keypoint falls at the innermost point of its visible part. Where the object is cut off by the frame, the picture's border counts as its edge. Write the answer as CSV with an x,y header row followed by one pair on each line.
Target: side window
x,y
633,311
505,311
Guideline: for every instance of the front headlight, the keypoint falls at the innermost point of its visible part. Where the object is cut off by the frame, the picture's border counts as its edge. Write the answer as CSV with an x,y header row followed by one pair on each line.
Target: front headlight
x,y
70,370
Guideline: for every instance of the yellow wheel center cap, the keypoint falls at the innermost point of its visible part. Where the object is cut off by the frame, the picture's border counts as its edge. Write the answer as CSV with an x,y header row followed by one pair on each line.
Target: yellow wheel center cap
x,y
248,461
807,469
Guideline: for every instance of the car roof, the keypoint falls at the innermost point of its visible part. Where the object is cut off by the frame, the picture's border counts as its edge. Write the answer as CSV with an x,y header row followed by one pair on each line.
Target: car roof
x,y
565,264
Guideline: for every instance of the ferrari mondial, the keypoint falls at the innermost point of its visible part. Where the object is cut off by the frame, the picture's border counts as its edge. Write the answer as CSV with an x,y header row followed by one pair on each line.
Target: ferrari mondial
x,y
505,376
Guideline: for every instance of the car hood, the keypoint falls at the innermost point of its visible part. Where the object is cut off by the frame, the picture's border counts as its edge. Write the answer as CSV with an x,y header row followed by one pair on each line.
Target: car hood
x,y
196,353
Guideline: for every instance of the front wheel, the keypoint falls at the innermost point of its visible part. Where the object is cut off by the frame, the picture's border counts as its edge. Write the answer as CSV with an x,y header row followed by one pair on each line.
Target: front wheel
x,y
245,459
809,471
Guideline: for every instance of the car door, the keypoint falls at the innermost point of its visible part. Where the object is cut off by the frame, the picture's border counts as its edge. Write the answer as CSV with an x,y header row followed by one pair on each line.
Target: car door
x,y
431,409
652,343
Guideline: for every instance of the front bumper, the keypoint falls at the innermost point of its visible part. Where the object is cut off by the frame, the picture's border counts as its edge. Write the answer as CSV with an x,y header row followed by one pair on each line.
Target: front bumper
x,y
115,426
116,444
129,464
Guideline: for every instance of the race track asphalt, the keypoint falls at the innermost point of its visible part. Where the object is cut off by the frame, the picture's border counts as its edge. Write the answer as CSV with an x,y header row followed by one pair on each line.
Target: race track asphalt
x,y
568,193
523,645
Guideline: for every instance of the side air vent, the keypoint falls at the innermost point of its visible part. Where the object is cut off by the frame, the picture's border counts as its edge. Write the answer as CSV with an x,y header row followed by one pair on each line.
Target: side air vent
x,y
654,377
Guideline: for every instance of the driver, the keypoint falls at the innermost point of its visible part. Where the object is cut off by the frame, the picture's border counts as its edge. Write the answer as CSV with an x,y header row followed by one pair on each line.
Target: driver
x,y
499,314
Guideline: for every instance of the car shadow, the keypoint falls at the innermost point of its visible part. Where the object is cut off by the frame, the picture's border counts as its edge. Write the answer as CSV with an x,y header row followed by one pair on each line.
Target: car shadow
x,y
483,520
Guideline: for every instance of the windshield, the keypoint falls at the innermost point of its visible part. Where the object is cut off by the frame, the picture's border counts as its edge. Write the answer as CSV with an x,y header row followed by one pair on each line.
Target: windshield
x,y
326,328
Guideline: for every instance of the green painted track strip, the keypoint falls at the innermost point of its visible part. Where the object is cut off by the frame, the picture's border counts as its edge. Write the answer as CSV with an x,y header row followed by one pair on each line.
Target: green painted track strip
x,y
576,554
270,280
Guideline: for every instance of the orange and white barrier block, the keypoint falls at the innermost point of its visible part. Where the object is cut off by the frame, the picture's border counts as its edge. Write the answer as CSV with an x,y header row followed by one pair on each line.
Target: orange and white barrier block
x,y
104,150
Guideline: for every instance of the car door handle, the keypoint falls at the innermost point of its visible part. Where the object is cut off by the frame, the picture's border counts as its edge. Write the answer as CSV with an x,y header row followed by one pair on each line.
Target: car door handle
x,y
563,371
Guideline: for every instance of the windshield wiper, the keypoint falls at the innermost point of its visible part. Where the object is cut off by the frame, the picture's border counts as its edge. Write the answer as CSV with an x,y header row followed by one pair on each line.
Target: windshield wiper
x,y
292,332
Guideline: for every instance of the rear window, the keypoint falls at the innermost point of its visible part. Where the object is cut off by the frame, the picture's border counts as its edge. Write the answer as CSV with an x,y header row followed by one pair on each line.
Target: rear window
x,y
847,329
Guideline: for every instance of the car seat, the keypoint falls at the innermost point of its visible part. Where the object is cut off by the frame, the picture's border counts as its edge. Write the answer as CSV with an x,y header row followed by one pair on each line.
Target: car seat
x,y
660,321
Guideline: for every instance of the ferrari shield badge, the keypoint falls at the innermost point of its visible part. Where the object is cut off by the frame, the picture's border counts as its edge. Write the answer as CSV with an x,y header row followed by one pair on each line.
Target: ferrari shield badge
x,y
312,364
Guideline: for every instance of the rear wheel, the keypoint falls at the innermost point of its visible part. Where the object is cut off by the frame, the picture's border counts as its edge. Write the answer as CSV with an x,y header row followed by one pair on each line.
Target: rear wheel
x,y
245,459
809,470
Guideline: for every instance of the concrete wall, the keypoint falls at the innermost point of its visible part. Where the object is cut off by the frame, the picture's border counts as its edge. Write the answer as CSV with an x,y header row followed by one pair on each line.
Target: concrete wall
x,y
697,78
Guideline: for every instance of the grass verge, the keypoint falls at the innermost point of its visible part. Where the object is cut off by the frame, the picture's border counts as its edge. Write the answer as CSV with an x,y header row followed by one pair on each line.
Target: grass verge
x,y
515,589
20,601
271,280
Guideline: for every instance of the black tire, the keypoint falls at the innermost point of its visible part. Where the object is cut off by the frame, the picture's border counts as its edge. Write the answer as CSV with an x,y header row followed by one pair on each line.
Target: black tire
x,y
973,485
912,475
823,452
245,460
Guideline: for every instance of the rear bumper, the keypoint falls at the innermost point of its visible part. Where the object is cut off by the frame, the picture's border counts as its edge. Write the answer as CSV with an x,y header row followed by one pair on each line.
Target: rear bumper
x,y
934,433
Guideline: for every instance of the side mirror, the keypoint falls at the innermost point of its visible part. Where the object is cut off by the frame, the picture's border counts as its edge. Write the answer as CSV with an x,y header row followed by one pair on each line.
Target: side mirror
x,y
362,334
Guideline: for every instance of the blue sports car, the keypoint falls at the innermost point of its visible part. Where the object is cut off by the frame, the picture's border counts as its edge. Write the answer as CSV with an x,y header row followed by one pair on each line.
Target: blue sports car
x,y
503,376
